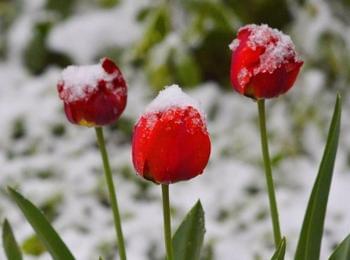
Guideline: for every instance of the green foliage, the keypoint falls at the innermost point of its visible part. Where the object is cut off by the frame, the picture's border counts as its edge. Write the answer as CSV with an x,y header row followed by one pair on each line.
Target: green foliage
x,y
281,251
33,246
9,9
342,251
62,7
58,130
188,238
19,129
272,12
178,67
108,3
158,26
37,57
213,56
311,233
12,250
45,232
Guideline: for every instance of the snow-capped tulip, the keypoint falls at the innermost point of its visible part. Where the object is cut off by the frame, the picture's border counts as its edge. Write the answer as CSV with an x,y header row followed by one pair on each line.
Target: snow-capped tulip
x,y
93,95
170,141
264,62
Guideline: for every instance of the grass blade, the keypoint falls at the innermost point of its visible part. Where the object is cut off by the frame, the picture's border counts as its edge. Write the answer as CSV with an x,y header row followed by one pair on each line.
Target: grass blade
x,y
188,238
310,239
342,251
11,247
281,251
45,232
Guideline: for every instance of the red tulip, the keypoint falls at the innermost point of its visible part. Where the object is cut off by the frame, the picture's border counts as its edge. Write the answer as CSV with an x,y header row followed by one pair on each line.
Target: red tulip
x,y
264,62
170,141
93,95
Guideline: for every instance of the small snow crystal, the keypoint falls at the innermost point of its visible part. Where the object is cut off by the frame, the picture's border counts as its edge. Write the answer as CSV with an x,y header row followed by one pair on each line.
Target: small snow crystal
x,y
172,96
279,48
234,44
80,81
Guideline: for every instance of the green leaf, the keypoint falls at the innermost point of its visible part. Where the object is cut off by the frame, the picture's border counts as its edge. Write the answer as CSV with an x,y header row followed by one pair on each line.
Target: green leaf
x,y
188,238
281,251
9,241
309,244
32,245
342,251
158,26
42,227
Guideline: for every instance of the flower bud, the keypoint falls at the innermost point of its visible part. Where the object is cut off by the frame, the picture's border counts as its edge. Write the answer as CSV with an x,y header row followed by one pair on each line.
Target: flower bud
x,y
170,141
93,95
264,62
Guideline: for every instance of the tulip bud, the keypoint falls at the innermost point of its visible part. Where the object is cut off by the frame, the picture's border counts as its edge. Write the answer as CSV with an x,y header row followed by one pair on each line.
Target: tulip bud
x,y
170,141
93,95
264,62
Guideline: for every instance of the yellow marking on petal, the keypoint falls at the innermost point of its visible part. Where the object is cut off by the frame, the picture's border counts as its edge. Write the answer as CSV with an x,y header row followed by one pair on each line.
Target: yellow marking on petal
x,y
83,122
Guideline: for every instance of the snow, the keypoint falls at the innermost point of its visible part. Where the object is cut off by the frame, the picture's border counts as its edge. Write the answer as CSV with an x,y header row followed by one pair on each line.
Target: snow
x,y
278,47
78,82
97,30
234,45
172,96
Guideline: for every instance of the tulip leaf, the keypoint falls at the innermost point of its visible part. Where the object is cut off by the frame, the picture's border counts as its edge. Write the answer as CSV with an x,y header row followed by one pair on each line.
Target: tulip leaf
x,y
280,251
310,239
188,238
342,251
45,232
11,247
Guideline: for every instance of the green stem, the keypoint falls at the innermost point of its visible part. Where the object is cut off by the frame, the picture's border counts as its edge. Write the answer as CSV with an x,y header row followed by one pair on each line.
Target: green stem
x,y
167,222
268,174
112,193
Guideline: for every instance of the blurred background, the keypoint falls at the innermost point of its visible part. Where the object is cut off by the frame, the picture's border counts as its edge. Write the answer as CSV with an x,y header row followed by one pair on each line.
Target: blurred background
x,y
157,43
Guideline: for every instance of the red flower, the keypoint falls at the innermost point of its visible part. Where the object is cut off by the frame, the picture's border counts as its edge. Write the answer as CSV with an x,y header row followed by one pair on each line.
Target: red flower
x,y
93,95
170,141
264,62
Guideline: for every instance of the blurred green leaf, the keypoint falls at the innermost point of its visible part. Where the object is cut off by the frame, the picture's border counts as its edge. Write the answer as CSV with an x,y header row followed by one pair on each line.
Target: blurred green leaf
x,y
178,67
19,129
213,56
310,239
33,246
281,251
187,71
62,7
217,12
37,56
188,238
46,233
108,3
274,13
342,251
9,242
158,26
159,76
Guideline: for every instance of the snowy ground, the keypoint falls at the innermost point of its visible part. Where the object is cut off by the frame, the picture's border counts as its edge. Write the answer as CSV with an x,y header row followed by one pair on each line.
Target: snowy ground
x,y
59,167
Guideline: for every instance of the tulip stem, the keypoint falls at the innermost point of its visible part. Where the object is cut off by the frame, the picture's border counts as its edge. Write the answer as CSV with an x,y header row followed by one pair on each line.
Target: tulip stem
x,y
112,193
167,222
268,173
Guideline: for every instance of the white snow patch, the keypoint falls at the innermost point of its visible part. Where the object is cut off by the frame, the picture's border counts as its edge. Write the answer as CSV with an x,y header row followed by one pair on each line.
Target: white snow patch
x,y
84,36
80,81
243,76
234,44
279,48
173,96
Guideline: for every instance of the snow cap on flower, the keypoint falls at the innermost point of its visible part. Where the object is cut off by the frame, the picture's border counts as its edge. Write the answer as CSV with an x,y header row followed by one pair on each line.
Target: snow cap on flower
x,y
170,140
93,95
264,62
